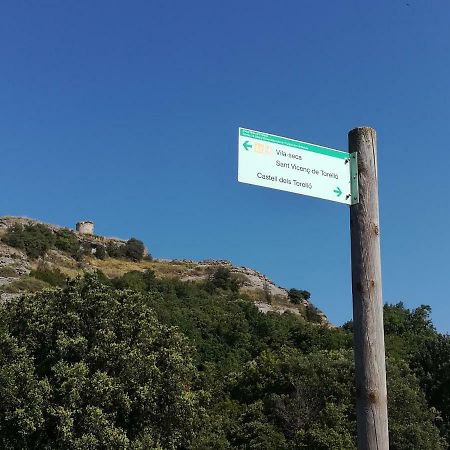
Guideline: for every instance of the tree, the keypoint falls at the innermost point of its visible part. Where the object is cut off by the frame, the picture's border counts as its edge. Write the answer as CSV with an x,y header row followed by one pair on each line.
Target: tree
x,y
411,421
310,399
134,249
222,278
99,371
307,398
22,395
115,250
298,297
431,364
400,320
406,329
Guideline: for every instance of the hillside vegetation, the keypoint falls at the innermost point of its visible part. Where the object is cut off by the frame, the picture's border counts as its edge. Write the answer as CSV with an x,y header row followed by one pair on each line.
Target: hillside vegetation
x,y
131,359
34,255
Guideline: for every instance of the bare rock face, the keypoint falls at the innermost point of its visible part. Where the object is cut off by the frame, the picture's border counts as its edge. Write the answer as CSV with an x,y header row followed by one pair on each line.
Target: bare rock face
x,y
9,221
250,279
13,264
257,280
266,307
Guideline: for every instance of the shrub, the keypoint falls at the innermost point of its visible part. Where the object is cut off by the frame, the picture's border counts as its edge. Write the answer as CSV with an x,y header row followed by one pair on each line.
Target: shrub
x,y
131,280
222,278
86,248
53,277
313,314
100,251
35,239
136,280
24,284
102,278
298,297
14,237
115,250
38,239
67,241
134,249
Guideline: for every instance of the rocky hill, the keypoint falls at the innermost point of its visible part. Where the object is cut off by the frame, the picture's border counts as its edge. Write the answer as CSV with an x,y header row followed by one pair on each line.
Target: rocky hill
x,y
19,272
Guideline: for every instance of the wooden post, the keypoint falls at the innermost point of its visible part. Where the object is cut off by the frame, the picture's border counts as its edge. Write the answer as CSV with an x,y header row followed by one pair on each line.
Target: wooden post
x,y
368,332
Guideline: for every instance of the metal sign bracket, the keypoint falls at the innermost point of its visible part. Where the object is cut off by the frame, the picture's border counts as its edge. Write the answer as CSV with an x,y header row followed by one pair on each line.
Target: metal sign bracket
x,y
354,184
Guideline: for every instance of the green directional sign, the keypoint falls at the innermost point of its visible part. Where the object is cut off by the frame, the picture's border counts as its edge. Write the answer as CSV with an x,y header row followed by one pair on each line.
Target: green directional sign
x,y
295,166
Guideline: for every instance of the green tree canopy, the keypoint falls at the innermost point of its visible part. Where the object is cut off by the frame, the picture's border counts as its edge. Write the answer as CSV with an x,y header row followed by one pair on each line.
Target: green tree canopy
x,y
36,239
99,364
222,278
134,249
431,363
95,369
297,296
67,241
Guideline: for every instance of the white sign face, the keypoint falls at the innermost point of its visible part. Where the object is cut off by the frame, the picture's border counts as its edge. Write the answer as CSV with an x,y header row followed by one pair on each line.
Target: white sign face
x,y
288,165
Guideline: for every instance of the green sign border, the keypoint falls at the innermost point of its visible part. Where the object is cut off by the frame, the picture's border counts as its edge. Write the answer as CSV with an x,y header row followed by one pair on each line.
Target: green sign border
x,y
293,143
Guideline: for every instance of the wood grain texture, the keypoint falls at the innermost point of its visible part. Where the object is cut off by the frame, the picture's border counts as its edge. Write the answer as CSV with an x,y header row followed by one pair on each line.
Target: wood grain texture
x,y
370,367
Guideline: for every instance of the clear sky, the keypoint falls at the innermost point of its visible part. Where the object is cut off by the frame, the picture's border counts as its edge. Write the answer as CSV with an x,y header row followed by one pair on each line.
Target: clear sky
x,y
126,113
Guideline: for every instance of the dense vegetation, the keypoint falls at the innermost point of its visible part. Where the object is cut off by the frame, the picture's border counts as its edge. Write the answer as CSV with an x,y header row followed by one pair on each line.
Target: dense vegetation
x,y
37,239
144,363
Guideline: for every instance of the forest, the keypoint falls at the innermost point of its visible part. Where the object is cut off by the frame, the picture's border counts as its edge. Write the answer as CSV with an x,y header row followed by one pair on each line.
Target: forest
x,y
139,362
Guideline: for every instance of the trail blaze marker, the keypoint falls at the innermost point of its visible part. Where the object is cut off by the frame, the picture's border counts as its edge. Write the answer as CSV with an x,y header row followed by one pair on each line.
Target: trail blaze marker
x,y
289,165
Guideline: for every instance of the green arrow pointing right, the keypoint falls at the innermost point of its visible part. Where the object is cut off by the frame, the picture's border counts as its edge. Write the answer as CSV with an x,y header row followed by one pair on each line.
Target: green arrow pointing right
x,y
247,145
338,191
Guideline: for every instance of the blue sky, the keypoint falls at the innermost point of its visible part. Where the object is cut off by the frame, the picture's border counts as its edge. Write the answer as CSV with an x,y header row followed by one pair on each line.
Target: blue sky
x,y
126,113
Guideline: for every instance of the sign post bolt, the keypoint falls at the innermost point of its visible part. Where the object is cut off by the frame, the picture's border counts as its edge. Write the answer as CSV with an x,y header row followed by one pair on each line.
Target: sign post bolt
x,y
368,333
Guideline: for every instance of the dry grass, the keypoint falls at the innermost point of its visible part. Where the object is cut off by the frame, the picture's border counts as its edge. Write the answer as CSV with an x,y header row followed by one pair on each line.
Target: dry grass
x,y
112,267
24,284
8,272
58,260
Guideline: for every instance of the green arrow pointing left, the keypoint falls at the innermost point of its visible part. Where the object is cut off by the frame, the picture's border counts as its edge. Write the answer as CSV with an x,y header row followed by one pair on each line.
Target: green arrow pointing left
x,y
338,191
247,145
